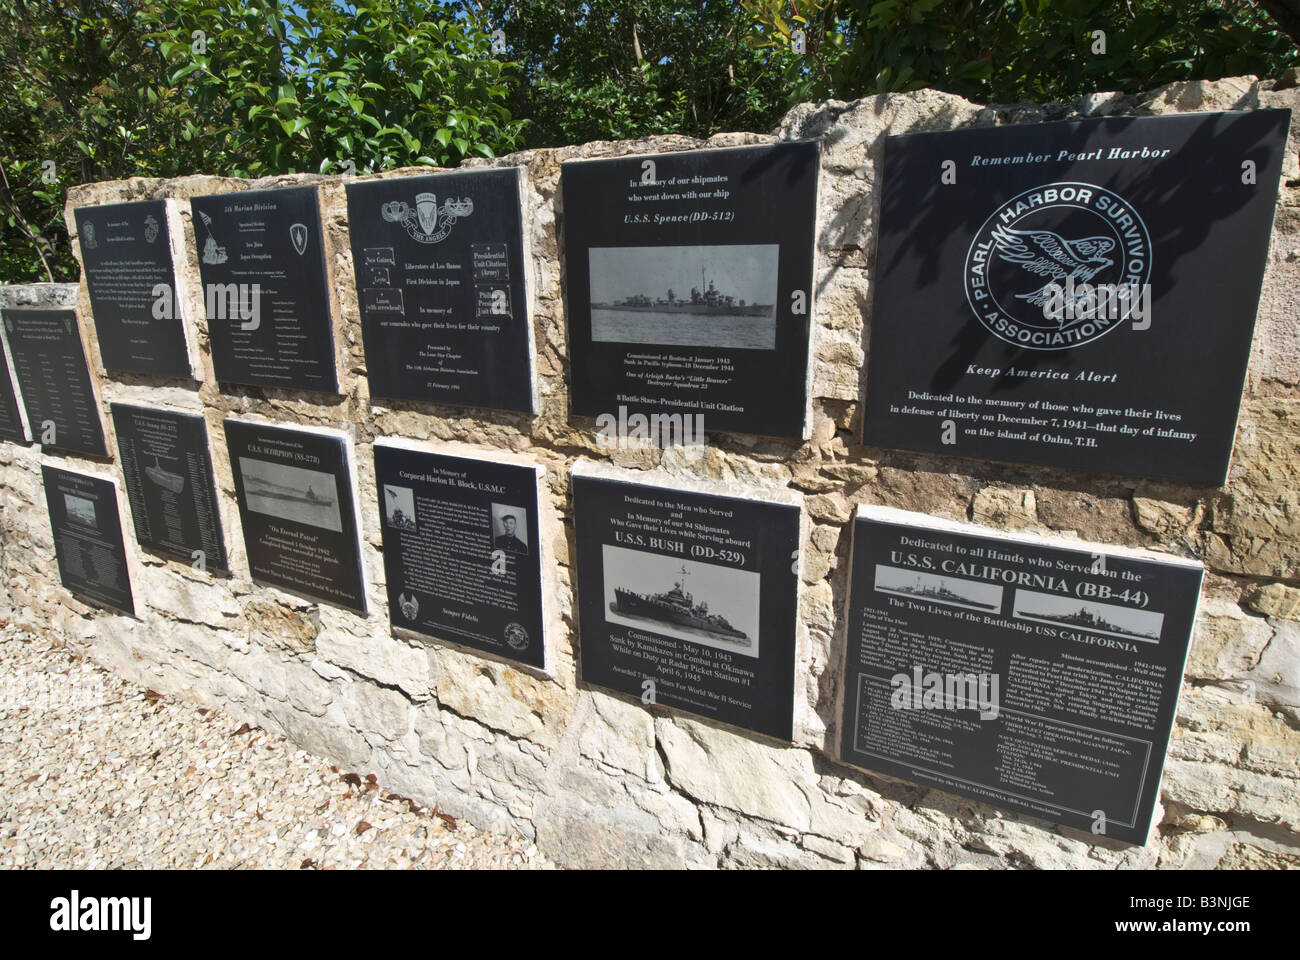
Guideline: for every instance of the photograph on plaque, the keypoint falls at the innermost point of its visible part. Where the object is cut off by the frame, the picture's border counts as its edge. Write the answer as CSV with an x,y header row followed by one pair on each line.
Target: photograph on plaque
x,y
169,483
126,253
689,284
88,537
12,425
1032,673
296,507
262,263
1079,294
460,549
688,598
439,264
53,380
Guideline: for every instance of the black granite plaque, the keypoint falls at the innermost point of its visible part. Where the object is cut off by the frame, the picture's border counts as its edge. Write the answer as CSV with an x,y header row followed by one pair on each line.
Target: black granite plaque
x,y
688,599
1081,294
168,473
53,380
462,551
264,287
440,278
11,418
1015,670
88,537
127,257
689,287
295,504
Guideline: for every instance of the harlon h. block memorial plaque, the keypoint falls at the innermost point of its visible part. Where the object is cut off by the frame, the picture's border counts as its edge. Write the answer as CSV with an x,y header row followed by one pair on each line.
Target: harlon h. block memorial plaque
x,y
88,536
12,425
1028,672
126,252
53,380
439,266
297,510
688,599
689,284
462,552
1075,294
262,261
168,473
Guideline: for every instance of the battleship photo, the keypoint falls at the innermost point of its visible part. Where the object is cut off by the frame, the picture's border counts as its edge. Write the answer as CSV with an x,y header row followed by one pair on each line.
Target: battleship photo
x,y
938,589
721,296
291,493
668,595
1105,618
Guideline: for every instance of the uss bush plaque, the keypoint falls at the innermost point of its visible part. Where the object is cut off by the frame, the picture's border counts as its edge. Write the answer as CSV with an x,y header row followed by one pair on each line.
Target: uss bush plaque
x,y
294,488
168,474
88,536
462,552
1032,673
688,599
264,286
53,380
689,286
127,255
12,426
439,268
1076,294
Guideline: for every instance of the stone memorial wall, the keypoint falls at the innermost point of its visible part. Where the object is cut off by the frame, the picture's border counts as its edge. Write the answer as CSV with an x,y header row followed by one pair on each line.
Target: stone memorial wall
x,y
685,742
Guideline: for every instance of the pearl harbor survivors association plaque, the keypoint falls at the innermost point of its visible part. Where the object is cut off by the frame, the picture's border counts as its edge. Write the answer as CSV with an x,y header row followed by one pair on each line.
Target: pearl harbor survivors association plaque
x,y
462,552
688,599
1078,294
1034,673
168,473
439,267
294,488
88,536
690,282
127,255
263,268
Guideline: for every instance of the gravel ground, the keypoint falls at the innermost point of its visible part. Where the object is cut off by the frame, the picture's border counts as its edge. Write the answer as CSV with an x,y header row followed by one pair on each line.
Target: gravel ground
x,y
96,773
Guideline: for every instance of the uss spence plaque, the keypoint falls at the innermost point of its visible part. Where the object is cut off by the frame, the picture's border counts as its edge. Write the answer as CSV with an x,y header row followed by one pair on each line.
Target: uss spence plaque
x,y
688,599
1078,294
88,536
462,550
131,278
53,380
439,269
1033,673
169,482
689,284
262,262
297,510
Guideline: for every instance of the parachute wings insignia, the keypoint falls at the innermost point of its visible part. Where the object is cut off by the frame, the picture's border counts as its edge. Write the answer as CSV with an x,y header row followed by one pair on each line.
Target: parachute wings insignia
x,y
1050,255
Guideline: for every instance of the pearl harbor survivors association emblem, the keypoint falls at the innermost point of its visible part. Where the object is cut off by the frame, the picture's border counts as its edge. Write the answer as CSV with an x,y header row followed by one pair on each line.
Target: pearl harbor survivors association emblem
x,y
1059,266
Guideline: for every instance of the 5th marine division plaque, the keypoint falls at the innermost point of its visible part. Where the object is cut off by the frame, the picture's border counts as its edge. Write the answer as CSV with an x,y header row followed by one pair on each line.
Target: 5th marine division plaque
x,y
1077,294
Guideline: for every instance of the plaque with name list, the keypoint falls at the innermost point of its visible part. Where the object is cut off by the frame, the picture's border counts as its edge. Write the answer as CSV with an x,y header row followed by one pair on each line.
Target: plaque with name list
x,y
297,510
1079,294
1033,673
53,380
439,266
462,551
262,262
126,253
88,537
688,599
168,474
689,285
12,426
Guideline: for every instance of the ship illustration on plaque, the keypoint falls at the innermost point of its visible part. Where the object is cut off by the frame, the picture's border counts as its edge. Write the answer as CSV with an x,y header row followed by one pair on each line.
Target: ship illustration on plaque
x,y
703,296
689,600
292,493
421,221
952,591
174,482
1110,619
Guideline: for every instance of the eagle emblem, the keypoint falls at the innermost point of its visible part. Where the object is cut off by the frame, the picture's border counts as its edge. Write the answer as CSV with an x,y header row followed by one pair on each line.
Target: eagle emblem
x,y
1044,253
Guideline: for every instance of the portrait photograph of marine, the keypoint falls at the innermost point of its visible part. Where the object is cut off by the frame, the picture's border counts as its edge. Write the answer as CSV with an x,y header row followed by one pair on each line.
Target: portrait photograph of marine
x,y
509,530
